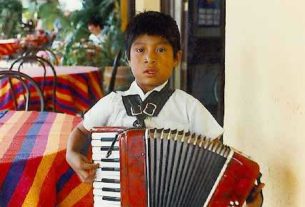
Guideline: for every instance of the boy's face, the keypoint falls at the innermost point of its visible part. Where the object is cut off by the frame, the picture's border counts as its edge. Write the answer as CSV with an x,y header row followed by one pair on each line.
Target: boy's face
x,y
152,61
94,29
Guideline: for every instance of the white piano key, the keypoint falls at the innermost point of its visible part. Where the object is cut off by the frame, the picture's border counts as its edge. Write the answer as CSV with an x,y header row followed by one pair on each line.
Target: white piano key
x,y
110,175
97,156
103,154
100,135
98,201
96,149
106,185
108,164
99,143
99,171
106,193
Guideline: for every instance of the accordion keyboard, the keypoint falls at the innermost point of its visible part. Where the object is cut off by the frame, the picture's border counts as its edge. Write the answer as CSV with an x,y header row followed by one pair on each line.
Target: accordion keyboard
x,y
106,187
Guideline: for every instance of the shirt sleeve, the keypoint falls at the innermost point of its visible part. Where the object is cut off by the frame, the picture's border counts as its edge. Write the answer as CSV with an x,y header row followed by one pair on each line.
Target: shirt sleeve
x,y
202,121
100,113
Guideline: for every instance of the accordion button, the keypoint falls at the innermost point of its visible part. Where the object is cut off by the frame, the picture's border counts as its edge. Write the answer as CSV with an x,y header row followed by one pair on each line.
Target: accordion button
x,y
236,203
231,203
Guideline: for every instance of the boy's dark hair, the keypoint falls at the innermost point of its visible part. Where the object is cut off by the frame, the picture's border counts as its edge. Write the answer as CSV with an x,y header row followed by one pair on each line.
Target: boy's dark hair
x,y
152,23
96,21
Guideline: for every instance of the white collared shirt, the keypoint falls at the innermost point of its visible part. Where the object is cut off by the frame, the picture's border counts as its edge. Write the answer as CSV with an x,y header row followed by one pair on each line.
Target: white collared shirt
x,y
97,39
182,112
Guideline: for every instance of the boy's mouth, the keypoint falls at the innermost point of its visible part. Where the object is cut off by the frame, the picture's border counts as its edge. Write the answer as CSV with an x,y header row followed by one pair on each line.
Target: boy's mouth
x,y
150,71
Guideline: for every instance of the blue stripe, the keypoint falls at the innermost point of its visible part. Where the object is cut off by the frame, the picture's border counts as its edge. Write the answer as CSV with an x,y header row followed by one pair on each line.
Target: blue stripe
x,y
64,179
18,165
2,113
74,91
66,108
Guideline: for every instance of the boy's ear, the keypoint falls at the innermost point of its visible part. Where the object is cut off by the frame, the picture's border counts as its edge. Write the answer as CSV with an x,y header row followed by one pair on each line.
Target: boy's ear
x,y
178,58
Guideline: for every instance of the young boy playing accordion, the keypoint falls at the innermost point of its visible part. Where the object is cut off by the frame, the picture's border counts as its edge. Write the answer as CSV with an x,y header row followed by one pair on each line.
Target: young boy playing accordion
x,y
153,51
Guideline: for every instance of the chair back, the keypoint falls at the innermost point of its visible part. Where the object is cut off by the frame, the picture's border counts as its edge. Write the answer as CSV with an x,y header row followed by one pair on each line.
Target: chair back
x,y
23,89
114,72
20,65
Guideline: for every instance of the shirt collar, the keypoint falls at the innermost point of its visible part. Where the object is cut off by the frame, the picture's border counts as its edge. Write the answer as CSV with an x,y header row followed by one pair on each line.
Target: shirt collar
x,y
135,89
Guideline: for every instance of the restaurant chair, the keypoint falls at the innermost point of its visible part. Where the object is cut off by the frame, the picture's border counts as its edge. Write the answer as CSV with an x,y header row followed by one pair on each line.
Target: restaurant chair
x,y
23,62
41,52
22,88
115,66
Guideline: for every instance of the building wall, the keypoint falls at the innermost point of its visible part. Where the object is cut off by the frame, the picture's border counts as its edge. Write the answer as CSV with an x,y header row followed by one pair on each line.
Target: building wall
x,y
264,92
142,5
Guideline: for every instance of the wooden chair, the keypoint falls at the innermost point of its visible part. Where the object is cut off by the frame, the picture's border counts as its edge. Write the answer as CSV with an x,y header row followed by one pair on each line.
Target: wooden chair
x,y
22,89
20,65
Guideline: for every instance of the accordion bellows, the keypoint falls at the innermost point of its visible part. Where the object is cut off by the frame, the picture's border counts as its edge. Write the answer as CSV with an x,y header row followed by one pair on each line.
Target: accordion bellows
x,y
166,168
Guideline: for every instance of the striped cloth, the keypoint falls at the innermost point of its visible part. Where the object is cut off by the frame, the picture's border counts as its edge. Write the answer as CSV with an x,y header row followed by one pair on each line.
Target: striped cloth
x,y
77,89
9,47
34,171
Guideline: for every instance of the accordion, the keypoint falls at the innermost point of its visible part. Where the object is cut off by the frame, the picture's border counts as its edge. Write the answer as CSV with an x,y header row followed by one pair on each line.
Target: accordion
x,y
166,168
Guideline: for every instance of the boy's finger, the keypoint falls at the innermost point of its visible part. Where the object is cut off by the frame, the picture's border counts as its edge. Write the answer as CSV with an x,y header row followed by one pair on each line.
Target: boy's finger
x,y
90,166
259,188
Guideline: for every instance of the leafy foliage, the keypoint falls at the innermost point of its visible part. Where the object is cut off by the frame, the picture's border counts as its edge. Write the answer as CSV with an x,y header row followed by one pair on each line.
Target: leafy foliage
x,y
73,47
109,11
10,17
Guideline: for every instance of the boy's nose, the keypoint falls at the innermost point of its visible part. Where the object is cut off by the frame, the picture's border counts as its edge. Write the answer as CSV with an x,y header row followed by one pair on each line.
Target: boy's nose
x,y
150,58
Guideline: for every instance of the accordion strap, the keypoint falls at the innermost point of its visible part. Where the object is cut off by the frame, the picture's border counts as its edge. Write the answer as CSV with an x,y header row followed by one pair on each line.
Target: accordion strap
x,y
151,106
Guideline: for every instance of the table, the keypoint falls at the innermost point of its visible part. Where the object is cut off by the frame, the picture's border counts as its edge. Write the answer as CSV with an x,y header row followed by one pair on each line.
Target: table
x,y
9,46
77,88
34,171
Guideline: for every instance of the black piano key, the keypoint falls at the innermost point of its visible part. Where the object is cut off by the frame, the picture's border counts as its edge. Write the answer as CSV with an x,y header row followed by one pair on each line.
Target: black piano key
x,y
110,168
111,189
106,148
107,139
110,159
109,180
110,198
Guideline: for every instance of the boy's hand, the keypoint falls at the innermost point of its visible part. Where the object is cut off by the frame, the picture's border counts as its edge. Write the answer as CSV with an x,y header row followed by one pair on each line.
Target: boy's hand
x,y
83,167
255,198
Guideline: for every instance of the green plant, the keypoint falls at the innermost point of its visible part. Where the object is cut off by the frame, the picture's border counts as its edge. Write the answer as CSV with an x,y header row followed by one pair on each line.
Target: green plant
x,y
109,10
50,12
10,18
114,42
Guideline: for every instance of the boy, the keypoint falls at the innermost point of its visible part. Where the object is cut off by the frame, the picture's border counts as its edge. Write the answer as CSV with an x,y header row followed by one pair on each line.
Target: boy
x,y
153,51
95,27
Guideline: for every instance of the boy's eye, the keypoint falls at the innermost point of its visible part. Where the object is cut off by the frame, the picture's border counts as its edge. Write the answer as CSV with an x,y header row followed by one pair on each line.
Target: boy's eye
x,y
139,49
161,49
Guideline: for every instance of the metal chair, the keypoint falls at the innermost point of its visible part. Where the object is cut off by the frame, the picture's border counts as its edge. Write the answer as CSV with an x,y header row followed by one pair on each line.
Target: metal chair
x,y
22,89
114,72
20,65
34,51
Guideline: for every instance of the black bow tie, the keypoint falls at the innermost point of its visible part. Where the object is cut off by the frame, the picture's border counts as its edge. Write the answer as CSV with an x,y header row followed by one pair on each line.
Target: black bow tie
x,y
151,106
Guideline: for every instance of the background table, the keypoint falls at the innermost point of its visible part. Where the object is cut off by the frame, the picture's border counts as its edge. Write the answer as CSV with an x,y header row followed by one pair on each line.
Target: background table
x,y
34,171
9,47
77,89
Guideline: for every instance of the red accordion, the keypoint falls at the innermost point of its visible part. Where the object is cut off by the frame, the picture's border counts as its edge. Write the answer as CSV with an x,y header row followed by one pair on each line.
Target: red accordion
x,y
166,168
